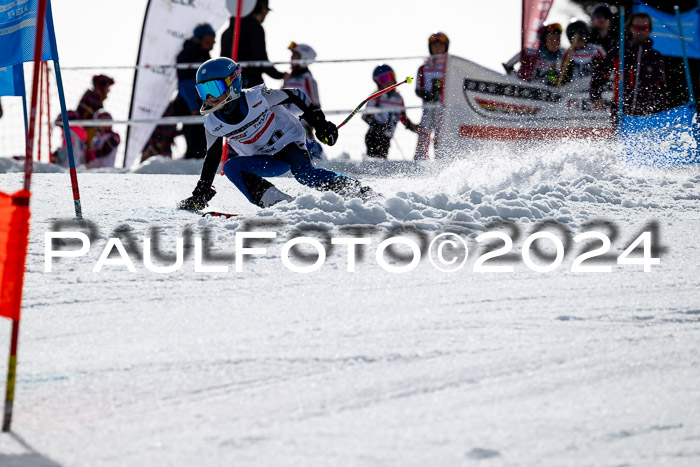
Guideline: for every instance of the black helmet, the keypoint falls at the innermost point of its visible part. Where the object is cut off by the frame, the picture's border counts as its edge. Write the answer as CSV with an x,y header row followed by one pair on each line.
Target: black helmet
x,y
602,10
578,27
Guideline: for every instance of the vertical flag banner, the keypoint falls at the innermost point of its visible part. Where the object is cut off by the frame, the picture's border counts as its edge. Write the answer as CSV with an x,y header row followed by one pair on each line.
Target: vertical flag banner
x,y
17,32
534,15
14,237
664,31
166,26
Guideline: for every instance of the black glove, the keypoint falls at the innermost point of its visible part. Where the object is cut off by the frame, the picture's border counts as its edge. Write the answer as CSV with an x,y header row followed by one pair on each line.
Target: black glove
x,y
202,194
327,133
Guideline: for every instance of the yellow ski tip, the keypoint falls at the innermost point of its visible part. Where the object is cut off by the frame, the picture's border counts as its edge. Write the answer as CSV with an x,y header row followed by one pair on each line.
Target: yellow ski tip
x,y
409,79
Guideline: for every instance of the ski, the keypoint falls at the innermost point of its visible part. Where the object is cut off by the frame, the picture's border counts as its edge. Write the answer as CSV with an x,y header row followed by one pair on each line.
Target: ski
x,y
225,215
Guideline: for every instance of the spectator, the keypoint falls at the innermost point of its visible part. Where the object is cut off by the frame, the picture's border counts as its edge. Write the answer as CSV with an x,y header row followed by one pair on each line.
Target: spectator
x,y
251,45
302,79
645,88
579,60
92,101
162,139
542,65
104,143
195,50
603,31
383,125
429,88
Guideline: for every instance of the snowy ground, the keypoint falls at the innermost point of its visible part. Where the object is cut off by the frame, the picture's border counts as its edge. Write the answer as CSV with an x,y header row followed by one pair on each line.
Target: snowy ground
x,y
271,367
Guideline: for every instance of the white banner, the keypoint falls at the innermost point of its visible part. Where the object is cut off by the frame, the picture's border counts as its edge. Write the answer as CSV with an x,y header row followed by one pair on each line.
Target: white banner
x,y
168,23
481,104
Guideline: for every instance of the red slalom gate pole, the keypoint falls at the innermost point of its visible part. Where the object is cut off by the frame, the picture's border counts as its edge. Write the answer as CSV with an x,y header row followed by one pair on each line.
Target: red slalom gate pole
x,y
234,56
28,168
29,152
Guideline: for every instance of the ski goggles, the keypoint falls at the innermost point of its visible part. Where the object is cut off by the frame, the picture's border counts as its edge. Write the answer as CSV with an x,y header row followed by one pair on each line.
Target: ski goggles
x,y
386,78
438,37
553,29
217,87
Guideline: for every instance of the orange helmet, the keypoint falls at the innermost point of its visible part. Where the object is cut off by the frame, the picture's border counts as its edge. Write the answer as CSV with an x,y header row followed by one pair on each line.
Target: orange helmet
x,y
439,37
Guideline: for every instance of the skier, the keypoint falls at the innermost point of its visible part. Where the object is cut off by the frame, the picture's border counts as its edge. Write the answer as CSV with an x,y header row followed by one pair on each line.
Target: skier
x,y
302,79
429,88
268,139
579,60
383,125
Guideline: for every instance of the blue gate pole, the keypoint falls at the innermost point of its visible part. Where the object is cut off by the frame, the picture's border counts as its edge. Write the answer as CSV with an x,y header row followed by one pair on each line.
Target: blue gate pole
x,y
64,113
691,94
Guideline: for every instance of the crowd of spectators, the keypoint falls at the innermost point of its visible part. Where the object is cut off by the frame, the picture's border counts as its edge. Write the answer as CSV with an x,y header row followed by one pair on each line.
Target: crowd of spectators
x,y
592,59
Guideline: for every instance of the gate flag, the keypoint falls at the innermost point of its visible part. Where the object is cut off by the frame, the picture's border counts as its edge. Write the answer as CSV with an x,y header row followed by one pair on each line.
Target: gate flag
x,y
664,31
14,237
18,30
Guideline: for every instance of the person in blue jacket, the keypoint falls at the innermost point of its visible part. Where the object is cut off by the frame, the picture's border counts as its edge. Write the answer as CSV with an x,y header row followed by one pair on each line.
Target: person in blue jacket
x,y
195,50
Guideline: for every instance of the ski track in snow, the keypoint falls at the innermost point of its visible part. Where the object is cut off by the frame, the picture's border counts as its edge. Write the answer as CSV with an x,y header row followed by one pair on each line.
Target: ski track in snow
x,y
271,367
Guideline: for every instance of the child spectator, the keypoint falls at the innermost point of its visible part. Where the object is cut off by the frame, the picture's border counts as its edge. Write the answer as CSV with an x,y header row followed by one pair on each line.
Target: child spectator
x,y
302,79
104,143
429,88
579,60
542,65
78,137
383,125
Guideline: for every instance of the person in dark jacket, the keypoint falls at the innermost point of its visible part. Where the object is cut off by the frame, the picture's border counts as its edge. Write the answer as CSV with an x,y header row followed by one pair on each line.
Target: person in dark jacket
x,y
603,31
195,50
645,88
251,46
92,101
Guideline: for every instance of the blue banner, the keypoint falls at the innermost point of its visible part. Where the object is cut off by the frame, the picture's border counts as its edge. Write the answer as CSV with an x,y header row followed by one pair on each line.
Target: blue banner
x,y
12,81
18,32
664,31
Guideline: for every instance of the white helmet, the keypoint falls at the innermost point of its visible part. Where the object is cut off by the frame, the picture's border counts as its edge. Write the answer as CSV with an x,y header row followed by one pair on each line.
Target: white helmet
x,y
305,52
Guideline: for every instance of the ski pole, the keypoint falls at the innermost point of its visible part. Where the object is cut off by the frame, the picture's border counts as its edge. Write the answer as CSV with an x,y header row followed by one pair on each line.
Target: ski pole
x,y
376,94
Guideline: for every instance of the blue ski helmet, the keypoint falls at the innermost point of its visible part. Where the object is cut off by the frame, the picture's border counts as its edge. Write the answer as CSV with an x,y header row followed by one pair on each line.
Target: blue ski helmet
x,y
216,77
383,74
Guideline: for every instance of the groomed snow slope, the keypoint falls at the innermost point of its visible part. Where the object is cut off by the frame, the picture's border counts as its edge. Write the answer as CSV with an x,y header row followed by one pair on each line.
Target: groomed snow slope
x,y
272,367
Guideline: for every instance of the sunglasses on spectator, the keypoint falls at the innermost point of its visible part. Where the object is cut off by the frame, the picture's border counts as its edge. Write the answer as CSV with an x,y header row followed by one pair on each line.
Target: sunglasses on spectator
x,y
386,78
639,28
